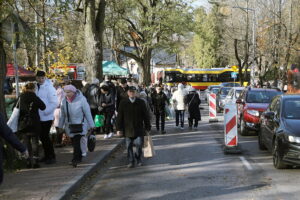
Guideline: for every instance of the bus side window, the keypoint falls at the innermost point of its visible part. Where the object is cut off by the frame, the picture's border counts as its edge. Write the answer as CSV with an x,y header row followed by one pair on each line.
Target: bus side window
x,y
225,77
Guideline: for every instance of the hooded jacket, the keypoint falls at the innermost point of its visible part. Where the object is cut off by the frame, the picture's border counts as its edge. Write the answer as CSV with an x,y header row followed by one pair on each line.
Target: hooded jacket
x,y
47,94
79,111
178,98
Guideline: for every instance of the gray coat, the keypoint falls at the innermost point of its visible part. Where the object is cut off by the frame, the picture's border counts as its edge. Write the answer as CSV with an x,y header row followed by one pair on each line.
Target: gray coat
x,y
79,109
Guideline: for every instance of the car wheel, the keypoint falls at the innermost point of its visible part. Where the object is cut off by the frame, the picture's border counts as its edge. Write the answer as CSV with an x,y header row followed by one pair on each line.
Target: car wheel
x,y
243,129
277,158
261,145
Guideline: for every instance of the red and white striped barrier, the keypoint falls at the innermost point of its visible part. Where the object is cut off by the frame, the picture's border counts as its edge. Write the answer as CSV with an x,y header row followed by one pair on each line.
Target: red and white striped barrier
x,y
212,108
230,129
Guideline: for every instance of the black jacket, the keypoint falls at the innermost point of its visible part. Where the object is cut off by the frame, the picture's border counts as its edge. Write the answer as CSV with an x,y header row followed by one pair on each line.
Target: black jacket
x,y
109,100
193,101
159,101
25,100
121,94
11,138
133,118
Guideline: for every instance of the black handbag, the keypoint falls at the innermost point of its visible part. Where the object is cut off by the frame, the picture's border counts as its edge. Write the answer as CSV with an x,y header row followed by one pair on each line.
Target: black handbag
x,y
91,142
74,128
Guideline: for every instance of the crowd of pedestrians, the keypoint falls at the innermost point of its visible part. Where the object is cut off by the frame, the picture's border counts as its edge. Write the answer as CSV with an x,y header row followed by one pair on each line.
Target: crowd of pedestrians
x,y
127,108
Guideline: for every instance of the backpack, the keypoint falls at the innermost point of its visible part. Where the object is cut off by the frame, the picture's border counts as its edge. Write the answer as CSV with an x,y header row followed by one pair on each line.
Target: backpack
x,y
26,122
92,95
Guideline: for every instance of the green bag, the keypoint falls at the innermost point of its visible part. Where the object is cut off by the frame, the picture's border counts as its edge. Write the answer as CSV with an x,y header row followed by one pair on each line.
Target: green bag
x,y
99,120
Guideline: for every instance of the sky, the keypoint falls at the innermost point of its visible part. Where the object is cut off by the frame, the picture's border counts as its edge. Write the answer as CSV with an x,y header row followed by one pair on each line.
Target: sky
x,y
198,3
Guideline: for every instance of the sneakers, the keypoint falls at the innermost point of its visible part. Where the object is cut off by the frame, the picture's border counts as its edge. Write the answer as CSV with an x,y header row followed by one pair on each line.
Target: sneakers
x,y
195,128
181,128
139,163
130,165
111,134
163,132
106,136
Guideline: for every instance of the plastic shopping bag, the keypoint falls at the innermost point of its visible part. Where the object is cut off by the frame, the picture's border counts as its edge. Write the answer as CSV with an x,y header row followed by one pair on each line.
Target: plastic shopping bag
x,y
13,121
99,120
148,147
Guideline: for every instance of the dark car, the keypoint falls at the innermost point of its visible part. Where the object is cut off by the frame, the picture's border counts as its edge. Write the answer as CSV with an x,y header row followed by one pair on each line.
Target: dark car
x,y
280,131
251,103
230,85
221,95
209,89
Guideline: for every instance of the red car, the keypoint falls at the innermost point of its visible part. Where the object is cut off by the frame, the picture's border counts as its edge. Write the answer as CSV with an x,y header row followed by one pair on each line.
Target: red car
x,y
251,104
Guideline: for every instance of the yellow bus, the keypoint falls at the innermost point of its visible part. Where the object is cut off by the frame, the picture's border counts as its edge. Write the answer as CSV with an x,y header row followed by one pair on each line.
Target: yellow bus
x,y
202,78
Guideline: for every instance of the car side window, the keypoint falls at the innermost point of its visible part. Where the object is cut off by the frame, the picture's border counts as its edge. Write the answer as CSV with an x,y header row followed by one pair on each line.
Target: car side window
x,y
242,95
277,108
272,105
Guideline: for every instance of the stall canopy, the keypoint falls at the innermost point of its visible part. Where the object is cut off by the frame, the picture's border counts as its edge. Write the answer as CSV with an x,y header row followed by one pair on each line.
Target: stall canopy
x,y
113,69
22,72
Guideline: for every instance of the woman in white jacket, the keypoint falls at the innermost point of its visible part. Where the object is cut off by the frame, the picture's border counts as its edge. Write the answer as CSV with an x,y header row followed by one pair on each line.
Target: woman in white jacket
x,y
75,111
179,105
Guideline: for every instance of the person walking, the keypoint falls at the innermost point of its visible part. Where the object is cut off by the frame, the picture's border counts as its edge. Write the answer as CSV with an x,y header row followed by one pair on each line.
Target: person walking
x,y
60,95
192,100
47,93
179,105
107,108
121,92
112,88
160,100
7,134
29,122
76,119
133,122
91,92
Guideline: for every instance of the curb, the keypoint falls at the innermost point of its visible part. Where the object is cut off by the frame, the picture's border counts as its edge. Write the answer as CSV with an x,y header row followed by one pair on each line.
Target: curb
x,y
66,191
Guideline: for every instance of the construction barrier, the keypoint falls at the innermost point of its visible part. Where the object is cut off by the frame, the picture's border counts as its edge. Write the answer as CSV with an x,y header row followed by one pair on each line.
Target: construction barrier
x,y
212,108
230,129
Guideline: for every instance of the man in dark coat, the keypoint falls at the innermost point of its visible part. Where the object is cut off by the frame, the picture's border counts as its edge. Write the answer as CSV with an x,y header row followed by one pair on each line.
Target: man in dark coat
x,y
121,92
132,122
7,134
159,100
192,100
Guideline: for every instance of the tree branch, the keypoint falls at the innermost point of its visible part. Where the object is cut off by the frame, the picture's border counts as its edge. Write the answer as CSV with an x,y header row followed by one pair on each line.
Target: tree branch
x,y
130,55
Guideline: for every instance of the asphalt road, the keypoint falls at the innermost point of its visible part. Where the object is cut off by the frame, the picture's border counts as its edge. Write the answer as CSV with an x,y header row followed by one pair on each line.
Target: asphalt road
x,y
190,164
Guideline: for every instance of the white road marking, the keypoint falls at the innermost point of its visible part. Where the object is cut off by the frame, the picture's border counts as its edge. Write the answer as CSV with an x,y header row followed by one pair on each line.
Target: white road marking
x,y
246,163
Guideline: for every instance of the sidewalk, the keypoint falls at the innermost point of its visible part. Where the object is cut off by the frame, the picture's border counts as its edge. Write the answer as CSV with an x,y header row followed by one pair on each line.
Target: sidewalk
x,y
54,182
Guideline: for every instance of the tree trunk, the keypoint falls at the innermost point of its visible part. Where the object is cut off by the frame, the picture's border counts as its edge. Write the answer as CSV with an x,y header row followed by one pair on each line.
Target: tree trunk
x,y
93,42
2,76
145,77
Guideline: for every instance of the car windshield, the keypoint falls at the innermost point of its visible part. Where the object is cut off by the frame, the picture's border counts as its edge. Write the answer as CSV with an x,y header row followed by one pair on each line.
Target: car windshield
x,y
291,109
224,91
214,87
264,96
238,93
215,90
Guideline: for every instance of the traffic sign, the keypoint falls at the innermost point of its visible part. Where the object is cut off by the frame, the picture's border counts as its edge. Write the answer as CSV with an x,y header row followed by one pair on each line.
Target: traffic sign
x,y
233,75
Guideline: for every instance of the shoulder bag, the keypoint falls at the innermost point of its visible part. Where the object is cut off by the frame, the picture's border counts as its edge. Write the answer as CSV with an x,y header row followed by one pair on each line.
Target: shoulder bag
x,y
74,128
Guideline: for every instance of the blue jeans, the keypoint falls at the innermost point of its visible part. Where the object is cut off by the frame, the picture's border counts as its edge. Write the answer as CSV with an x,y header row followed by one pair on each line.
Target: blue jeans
x,y
138,141
179,116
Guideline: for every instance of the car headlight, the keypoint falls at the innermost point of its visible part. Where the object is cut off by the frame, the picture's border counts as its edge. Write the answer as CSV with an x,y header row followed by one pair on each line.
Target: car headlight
x,y
253,112
294,139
